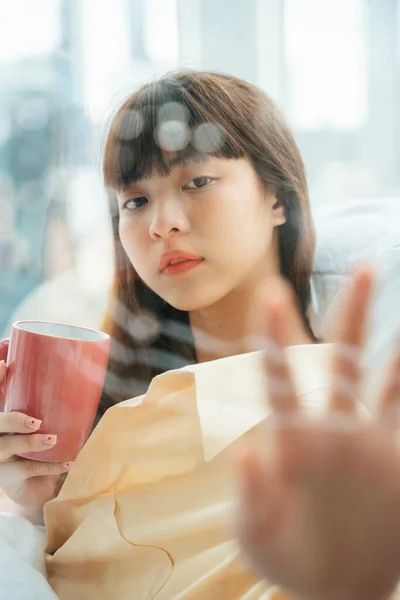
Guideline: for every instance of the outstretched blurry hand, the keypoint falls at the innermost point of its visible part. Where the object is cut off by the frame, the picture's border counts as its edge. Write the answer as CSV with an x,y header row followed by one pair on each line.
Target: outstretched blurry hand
x,y
319,510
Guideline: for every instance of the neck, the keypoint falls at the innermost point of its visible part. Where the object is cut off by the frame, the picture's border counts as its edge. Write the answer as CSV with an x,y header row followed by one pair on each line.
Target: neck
x,y
223,329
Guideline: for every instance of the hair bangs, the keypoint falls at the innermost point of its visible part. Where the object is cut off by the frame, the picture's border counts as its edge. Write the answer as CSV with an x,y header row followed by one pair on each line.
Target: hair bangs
x,y
163,125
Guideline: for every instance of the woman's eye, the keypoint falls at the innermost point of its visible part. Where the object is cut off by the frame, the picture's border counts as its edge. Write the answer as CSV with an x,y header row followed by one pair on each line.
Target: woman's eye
x,y
134,203
198,182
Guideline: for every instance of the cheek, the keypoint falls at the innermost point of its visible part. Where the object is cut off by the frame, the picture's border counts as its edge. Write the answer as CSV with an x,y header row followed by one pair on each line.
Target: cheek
x,y
133,240
256,223
242,227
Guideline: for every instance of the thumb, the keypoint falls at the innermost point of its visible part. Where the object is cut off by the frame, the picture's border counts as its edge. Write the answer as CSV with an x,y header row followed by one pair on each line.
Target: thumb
x,y
260,507
294,329
276,290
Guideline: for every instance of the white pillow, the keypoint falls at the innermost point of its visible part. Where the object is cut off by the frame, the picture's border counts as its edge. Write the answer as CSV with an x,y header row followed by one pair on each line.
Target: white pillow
x,y
350,235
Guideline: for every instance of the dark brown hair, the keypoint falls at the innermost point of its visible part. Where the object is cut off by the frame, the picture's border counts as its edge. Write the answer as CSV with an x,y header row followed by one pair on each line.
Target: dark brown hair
x,y
250,125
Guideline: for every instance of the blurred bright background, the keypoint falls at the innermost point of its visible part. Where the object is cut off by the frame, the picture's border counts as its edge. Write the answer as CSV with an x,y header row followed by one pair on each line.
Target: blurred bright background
x,y
65,65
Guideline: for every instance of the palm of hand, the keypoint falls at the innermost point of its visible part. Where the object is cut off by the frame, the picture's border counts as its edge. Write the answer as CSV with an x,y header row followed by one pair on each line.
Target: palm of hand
x,y
320,513
332,519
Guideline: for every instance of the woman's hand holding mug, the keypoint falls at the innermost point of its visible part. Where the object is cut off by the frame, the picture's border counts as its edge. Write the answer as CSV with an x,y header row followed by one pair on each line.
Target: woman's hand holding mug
x,y
49,392
26,482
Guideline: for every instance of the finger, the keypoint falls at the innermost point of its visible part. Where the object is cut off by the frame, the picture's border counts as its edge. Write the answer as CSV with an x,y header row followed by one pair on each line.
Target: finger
x,y
22,469
349,341
36,468
280,386
16,422
11,445
3,370
390,400
3,373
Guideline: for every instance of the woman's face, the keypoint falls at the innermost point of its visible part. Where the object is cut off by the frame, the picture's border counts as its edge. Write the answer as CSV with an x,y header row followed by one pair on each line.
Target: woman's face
x,y
214,215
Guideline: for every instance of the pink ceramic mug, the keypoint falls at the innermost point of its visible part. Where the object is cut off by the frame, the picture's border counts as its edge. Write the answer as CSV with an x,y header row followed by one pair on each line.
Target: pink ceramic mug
x,y
56,374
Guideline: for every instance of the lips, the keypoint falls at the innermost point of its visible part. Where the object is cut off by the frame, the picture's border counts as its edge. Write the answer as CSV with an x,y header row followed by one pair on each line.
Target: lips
x,y
178,260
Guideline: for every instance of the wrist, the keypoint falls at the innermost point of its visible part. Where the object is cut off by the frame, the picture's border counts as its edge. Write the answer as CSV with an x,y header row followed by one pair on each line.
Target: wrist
x,y
34,514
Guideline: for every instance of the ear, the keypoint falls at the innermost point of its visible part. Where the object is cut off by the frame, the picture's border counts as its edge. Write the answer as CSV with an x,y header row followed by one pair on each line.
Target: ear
x,y
278,213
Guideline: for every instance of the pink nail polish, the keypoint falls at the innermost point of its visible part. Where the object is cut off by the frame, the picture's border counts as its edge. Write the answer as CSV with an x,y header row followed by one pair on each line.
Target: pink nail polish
x,y
32,423
49,439
68,465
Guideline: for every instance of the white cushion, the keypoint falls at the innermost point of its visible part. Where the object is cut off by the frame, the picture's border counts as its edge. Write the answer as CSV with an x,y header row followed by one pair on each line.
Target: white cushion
x,y
350,235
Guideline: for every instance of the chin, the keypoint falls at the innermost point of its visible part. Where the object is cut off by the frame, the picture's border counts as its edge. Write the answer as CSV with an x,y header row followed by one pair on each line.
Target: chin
x,y
185,305
191,302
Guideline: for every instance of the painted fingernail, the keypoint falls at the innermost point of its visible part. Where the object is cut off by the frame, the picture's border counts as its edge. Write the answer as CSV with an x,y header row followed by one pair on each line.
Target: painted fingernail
x,y
68,465
32,423
49,439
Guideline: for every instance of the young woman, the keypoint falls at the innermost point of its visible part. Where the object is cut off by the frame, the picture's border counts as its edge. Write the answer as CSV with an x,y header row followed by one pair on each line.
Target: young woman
x,y
209,204
202,167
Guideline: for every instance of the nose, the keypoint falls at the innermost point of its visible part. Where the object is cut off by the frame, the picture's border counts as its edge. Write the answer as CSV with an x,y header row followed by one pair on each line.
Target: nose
x,y
168,220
